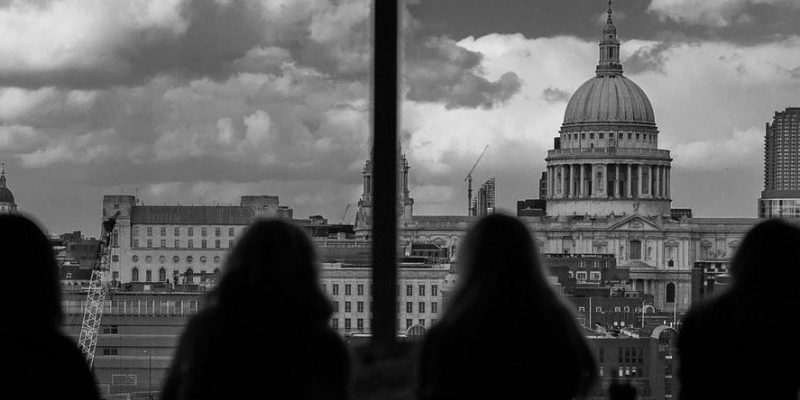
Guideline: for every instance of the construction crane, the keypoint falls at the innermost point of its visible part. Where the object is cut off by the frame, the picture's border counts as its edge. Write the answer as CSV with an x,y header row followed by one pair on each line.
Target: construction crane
x,y
468,179
344,215
96,293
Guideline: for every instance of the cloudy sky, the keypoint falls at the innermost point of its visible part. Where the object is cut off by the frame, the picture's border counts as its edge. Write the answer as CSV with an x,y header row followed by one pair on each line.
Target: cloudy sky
x,y
201,101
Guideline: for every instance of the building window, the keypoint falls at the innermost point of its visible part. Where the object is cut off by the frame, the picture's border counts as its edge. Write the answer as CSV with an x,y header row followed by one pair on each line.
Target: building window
x,y
177,243
360,289
217,232
360,306
203,244
163,243
627,308
189,276
216,244
582,309
148,276
111,351
348,307
230,231
230,244
422,290
335,323
204,231
190,231
434,307
149,231
162,275
115,258
135,275
421,307
347,324
617,309
360,324
434,290
135,242
163,231
409,322
335,289
594,275
409,290
635,252
149,243
409,307
598,309
670,292
580,275
670,263
348,290
110,329
177,231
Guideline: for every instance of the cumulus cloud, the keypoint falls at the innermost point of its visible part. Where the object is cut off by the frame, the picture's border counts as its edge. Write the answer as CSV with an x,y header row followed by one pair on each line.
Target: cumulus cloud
x,y
554,95
713,13
741,146
443,71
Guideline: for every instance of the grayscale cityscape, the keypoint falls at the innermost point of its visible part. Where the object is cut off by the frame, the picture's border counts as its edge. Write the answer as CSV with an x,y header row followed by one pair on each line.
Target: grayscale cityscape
x,y
641,145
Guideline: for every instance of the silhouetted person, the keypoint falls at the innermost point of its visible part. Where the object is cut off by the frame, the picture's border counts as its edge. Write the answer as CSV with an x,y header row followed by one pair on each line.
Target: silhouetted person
x,y
740,344
37,361
265,331
506,334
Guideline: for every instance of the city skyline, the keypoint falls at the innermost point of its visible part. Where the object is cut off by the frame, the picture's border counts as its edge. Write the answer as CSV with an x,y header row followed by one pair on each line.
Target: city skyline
x,y
281,110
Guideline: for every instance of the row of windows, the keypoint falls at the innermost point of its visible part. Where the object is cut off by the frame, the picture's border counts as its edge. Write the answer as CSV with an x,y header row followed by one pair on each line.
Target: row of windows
x,y
616,309
421,307
348,289
631,372
162,275
639,136
348,323
162,259
177,244
189,231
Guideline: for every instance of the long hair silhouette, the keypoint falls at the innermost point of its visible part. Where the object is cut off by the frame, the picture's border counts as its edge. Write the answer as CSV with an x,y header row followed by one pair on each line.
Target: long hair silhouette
x,y
265,329
721,339
31,268
504,319
272,267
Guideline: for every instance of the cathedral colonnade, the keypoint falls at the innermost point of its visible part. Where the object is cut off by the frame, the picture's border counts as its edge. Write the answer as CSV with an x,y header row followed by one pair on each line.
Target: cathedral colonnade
x,y
608,181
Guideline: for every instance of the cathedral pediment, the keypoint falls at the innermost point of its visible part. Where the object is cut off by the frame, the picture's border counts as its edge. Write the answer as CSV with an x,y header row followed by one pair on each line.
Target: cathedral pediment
x,y
635,223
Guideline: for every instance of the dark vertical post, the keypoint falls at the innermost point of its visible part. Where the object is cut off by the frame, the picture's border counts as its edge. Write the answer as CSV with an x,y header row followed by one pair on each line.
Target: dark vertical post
x,y
385,78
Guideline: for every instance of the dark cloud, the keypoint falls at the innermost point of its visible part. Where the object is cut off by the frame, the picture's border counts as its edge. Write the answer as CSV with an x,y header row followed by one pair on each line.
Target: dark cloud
x,y
439,70
555,95
649,58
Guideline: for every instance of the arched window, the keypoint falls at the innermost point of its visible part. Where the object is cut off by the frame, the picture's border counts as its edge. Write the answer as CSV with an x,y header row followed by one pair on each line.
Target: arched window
x,y
670,292
670,263
135,275
189,276
162,275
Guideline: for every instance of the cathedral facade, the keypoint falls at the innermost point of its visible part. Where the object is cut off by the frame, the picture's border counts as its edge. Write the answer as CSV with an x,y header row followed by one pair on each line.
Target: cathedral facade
x,y
608,192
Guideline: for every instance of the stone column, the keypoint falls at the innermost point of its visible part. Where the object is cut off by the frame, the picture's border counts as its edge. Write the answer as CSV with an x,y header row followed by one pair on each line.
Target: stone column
x,y
628,182
638,180
658,181
562,182
617,193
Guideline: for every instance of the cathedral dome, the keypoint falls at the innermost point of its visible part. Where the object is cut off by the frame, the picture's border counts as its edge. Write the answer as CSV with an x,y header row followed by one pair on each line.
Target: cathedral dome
x,y
609,98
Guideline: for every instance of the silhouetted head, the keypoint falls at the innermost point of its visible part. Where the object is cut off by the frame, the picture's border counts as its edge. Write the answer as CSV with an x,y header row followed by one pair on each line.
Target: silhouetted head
x,y
503,292
768,259
498,259
272,267
32,293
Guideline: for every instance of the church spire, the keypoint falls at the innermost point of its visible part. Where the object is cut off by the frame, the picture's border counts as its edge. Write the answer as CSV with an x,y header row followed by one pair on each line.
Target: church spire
x,y
609,64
